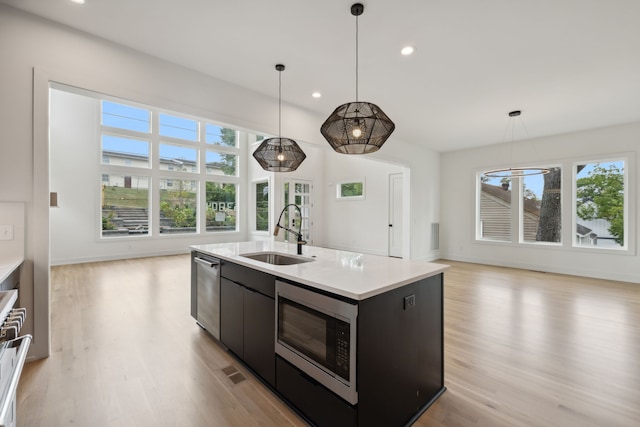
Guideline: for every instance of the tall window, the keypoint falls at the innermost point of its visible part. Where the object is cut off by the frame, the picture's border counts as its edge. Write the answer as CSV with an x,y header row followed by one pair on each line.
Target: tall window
x,y
262,205
171,158
541,207
494,209
601,203
221,206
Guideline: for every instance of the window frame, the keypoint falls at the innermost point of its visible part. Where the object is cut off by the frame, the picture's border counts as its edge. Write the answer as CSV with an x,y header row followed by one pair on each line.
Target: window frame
x,y
359,180
568,207
629,205
199,177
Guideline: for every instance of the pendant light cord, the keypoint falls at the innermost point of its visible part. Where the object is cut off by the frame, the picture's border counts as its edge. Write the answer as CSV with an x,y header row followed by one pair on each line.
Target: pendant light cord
x,y
280,105
356,58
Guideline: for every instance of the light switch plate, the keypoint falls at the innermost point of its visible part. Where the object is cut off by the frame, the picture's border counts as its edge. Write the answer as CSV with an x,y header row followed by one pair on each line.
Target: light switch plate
x,y
6,232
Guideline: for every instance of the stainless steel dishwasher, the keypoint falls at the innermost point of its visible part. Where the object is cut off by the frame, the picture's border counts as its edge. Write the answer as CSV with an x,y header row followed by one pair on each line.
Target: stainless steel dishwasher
x,y
205,292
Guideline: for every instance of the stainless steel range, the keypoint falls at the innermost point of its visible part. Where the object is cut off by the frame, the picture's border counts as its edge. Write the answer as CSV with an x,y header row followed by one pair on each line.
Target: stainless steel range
x,y
13,352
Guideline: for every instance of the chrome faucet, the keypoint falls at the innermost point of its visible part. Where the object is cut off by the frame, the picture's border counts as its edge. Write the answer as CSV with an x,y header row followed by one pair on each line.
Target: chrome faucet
x,y
300,242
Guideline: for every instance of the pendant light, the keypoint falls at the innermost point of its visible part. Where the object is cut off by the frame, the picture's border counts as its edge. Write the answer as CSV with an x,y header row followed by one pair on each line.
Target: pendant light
x,y
357,127
516,171
279,154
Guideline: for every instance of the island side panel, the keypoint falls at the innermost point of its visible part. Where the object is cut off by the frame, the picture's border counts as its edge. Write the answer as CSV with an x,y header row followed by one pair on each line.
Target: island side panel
x,y
400,352
387,360
431,339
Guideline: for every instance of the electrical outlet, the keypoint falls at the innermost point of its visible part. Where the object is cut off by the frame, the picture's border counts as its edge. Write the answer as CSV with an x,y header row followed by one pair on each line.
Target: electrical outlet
x,y
6,232
409,301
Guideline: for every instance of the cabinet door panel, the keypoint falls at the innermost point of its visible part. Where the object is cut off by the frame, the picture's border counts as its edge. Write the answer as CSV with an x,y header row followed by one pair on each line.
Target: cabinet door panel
x,y
232,316
259,334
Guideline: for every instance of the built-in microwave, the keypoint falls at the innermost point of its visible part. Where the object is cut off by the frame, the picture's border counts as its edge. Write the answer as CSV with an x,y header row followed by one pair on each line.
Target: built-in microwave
x,y
317,334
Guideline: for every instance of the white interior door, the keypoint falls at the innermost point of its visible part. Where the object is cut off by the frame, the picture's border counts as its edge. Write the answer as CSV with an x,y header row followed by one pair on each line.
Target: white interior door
x,y
395,215
298,192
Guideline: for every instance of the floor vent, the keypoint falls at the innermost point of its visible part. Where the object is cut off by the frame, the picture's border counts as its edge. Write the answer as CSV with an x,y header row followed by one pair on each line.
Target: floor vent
x,y
435,236
232,373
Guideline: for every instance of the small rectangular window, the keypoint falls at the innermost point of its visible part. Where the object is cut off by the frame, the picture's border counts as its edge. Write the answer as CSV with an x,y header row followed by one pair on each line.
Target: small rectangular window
x,y
350,189
220,135
125,205
219,163
178,127
600,205
117,150
178,158
126,117
221,206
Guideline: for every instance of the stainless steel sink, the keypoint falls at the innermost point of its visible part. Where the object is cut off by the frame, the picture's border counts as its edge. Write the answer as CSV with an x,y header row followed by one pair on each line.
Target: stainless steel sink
x,y
277,258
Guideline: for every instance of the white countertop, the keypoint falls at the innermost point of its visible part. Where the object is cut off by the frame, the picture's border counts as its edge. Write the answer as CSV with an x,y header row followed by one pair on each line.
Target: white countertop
x,y
8,264
350,274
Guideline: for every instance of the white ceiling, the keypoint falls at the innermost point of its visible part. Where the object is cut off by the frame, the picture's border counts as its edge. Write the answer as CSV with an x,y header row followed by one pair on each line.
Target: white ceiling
x,y
568,64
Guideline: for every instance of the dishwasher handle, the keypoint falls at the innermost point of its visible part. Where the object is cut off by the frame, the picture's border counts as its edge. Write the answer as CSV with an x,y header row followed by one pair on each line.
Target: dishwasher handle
x,y
206,262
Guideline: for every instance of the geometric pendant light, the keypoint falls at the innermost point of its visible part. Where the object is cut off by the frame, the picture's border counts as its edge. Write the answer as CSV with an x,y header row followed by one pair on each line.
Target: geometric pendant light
x,y
514,172
357,127
279,154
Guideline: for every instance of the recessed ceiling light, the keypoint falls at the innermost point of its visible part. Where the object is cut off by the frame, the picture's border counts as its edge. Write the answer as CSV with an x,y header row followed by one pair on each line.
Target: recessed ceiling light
x,y
316,94
407,50
78,1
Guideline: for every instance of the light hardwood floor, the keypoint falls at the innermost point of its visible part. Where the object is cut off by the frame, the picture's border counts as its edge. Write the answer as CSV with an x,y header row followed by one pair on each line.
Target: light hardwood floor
x,y
521,349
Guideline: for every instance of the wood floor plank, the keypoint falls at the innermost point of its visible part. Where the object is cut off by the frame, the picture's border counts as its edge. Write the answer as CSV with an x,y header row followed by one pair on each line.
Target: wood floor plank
x,y
522,348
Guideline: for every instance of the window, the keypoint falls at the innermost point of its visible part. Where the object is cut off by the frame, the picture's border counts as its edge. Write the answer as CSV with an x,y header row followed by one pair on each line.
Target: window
x,y
600,204
221,163
262,205
125,205
494,206
221,206
126,117
350,189
222,136
541,208
178,206
138,159
178,158
178,127
116,150
600,209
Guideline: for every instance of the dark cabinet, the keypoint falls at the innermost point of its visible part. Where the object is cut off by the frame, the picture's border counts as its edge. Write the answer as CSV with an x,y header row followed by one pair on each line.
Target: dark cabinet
x,y
312,399
400,348
232,316
247,317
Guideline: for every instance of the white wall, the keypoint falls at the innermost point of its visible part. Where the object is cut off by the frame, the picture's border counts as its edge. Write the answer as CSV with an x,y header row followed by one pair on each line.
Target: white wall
x,y
36,51
360,224
458,202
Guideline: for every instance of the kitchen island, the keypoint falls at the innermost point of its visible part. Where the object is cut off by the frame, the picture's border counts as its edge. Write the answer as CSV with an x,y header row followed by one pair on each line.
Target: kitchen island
x,y
386,370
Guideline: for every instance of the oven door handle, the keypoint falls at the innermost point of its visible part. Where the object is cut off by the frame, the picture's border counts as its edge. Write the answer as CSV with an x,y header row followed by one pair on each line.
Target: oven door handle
x,y
8,397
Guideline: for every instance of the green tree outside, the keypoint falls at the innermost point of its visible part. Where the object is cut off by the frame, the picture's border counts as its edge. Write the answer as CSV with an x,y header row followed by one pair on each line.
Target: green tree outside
x,y
601,195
